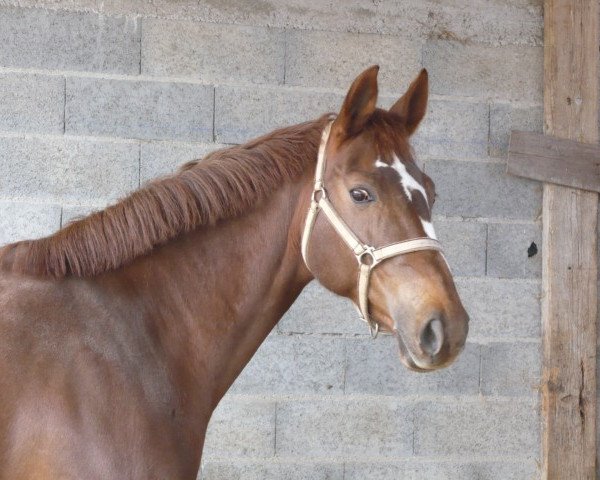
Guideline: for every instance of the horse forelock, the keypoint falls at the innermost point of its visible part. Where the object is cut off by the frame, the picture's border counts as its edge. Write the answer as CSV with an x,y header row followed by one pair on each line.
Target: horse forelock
x,y
390,137
223,185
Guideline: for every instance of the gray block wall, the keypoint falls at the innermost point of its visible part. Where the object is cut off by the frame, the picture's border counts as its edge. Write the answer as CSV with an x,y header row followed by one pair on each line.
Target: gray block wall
x,y
98,97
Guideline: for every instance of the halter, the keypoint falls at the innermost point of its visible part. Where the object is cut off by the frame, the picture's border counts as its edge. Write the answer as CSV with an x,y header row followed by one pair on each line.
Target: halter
x,y
367,256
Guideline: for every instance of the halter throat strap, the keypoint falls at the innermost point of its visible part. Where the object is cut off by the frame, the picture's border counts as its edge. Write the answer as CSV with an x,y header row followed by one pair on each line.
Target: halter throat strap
x,y
367,256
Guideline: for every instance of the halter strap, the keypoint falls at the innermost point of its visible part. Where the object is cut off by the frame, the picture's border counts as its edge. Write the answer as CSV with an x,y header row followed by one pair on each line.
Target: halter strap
x,y
367,256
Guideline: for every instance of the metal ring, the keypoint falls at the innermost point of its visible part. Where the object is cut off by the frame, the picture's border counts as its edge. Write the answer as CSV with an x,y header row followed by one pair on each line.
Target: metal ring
x,y
316,191
373,327
370,253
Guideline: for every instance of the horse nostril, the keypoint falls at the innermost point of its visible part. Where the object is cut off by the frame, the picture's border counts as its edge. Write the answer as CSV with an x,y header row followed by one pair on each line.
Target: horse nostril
x,y
432,337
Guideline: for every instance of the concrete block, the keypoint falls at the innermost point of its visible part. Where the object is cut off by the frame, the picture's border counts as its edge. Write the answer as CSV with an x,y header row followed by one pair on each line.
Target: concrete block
x,y
334,59
163,158
496,22
464,245
271,471
61,40
514,250
66,170
510,72
510,369
374,368
32,103
241,428
213,53
449,470
505,117
134,109
501,308
317,310
452,130
474,189
242,113
285,364
492,428
340,427
23,221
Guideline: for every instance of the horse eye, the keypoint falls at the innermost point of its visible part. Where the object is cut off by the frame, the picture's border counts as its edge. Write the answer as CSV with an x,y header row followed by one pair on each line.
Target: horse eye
x,y
360,195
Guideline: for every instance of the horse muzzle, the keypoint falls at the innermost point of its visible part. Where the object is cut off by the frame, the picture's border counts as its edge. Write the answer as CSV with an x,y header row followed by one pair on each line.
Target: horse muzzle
x,y
436,343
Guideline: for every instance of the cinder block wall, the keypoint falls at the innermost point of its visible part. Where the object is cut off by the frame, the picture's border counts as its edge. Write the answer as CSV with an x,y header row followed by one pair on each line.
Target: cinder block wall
x,y
96,97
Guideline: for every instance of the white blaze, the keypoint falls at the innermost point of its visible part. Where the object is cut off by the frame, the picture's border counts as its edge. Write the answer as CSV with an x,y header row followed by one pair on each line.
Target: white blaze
x,y
429,230
409,184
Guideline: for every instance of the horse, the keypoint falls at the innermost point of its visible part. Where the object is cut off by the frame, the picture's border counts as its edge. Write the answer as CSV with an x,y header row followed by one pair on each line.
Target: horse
x,y
121,332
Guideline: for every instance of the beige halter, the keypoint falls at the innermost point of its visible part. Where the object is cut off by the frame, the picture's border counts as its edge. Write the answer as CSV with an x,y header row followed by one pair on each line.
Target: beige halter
x,y
367,256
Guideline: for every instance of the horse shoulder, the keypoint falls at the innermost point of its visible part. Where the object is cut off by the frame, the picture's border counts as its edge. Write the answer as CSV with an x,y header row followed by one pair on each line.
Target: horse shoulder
x,y
68,356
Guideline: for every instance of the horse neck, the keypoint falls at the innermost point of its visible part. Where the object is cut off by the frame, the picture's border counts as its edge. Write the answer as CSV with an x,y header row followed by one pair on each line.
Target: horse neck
x,y
214,295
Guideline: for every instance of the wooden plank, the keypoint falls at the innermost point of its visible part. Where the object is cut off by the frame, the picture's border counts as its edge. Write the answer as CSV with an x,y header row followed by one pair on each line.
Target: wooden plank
x,y
569,269
554,160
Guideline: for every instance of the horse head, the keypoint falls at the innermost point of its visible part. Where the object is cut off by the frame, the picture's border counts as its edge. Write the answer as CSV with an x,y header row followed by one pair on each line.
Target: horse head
x,y
369,234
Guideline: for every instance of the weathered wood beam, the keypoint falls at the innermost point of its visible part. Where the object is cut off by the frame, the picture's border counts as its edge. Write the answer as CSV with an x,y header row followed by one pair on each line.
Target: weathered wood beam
x,y
569,248
554,160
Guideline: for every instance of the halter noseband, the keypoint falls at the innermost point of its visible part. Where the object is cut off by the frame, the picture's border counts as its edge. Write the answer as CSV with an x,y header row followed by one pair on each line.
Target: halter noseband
x,y
367,256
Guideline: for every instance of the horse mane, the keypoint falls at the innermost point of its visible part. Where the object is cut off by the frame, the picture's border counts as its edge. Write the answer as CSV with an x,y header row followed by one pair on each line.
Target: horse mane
x,y
224,185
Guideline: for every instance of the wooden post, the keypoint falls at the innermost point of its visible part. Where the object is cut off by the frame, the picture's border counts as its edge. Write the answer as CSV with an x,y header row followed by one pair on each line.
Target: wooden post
x,y
569,248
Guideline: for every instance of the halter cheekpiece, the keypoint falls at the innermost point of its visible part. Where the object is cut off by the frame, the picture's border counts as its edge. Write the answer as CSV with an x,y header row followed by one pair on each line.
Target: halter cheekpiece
x,y
367,256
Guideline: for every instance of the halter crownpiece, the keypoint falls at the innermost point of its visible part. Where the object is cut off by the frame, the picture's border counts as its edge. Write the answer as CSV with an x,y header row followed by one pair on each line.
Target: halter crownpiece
x,y
367,256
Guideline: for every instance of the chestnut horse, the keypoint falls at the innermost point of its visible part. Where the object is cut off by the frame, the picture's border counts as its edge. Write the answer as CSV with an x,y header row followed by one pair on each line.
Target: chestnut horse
x,y
120,333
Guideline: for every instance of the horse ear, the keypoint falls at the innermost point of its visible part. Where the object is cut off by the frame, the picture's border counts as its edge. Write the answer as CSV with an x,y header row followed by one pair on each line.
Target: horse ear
x,y
413,104
359,103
